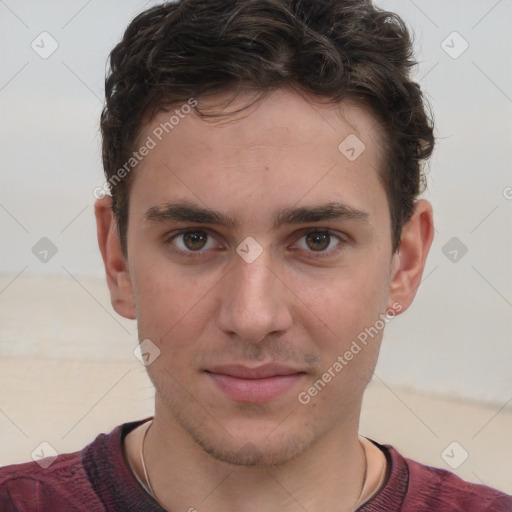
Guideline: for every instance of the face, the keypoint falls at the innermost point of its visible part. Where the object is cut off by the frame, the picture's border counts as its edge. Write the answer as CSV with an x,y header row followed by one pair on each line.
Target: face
x,y
255,240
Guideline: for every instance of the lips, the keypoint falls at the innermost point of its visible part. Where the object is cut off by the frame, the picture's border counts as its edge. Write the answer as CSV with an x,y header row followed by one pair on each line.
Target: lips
x,y
254,385
259,372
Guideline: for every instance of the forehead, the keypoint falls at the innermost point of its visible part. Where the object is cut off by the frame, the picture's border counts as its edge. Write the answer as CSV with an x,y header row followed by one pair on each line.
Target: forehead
x,y
250,120
284,149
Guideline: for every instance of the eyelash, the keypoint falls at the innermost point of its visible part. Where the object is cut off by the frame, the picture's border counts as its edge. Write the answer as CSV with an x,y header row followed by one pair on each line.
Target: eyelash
x,y
316,254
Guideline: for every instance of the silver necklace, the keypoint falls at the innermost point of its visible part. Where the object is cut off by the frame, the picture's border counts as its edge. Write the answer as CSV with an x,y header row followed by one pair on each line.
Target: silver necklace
x,y
360,499
147,486
149,489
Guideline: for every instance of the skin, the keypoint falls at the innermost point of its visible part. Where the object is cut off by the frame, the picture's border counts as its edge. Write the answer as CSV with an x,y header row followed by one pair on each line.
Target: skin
x,y
290,305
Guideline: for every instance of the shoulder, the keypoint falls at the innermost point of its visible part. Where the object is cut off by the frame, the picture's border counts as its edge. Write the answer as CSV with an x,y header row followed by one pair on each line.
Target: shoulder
x,y
434,489
56,484
90,479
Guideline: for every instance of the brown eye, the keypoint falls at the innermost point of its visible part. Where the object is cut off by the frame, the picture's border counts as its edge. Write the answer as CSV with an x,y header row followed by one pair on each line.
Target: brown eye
x,y
193,241
318,241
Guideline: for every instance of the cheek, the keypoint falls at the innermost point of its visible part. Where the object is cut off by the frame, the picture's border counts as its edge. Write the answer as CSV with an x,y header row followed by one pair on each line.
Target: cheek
x,y
346,302
170,303
340,320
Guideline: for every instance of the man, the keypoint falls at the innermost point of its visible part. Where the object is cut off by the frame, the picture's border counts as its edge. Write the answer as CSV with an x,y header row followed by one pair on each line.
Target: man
x,y
264,162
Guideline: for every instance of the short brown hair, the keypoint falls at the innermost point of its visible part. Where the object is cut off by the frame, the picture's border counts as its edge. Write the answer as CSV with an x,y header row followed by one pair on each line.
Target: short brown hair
x,y
332,49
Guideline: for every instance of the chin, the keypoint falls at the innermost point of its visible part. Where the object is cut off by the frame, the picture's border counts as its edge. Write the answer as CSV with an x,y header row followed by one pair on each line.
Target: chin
x,y
251,442
250,435
256,453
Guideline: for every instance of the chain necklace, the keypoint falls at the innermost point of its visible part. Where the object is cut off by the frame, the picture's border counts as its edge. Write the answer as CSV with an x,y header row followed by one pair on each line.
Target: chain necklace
x,y
149,489
147,485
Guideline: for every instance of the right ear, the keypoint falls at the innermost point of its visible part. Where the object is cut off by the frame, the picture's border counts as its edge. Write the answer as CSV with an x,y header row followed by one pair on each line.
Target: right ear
x,y
116,268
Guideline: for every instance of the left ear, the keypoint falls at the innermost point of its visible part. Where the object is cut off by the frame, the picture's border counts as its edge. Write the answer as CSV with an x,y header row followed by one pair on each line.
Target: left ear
x,y
409,260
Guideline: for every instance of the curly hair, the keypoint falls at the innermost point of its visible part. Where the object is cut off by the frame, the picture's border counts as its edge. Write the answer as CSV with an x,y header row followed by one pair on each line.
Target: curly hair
x,y
331,49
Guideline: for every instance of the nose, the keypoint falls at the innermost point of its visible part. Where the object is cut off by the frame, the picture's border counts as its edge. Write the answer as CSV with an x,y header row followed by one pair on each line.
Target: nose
x,y
254,302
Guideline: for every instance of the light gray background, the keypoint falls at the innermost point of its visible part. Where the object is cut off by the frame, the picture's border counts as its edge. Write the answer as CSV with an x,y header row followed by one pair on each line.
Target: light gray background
x,y
455,341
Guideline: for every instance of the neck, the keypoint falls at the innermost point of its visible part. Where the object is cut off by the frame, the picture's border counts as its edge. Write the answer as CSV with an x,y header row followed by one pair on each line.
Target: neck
x,y
328,475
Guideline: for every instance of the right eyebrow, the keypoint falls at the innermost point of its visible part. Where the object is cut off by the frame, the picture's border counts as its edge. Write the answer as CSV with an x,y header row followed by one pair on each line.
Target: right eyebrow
x,y
186,212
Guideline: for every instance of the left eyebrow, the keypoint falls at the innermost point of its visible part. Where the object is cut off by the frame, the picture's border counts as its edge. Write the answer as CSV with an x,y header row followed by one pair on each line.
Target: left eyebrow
x,y
330,211
187,212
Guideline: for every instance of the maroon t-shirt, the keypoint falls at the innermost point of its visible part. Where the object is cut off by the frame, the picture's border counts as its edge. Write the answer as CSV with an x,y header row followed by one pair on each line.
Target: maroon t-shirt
x,y
98,479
